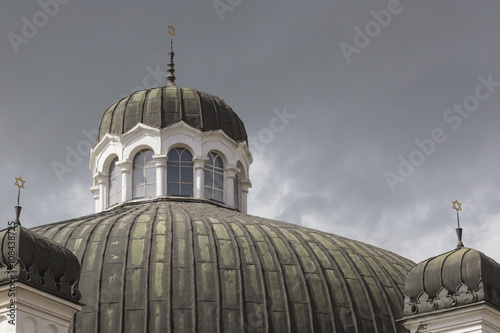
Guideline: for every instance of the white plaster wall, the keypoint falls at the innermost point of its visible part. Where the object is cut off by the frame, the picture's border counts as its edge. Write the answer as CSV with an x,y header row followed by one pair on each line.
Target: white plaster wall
x,y
125,146
479,318
36,311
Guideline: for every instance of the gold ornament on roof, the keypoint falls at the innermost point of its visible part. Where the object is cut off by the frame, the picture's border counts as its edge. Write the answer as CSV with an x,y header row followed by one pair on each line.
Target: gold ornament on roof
x,y
455,203
458,206
19,183
171,31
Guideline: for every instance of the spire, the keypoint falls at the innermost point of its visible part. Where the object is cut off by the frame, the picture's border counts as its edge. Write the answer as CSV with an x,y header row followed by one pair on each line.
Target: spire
x,y
20,184
458,206
170,67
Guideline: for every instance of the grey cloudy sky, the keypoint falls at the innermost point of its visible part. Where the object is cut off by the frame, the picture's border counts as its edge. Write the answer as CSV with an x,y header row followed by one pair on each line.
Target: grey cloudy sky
x,y
360,101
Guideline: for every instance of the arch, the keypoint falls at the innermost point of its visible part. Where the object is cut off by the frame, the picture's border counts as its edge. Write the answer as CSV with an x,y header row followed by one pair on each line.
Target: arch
x,y
4,324
104,152
227,152
30,325
132,153
182,136
143,174
180,173
182,145
214,177
105,161
51,329
242,170
114,183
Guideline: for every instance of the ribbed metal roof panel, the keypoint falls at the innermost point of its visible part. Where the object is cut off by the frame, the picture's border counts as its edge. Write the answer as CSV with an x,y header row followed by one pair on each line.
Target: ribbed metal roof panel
x,y
165,106
168,266
458,277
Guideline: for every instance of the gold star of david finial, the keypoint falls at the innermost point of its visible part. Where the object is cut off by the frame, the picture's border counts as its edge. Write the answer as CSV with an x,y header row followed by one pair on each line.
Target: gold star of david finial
x,y
19,183
171,31
455,203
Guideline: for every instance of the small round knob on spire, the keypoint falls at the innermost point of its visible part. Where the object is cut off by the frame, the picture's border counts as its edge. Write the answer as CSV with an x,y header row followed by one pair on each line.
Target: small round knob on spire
x,y
170,67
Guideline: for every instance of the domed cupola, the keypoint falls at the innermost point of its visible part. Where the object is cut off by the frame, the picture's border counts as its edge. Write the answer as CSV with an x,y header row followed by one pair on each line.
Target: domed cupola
x,y
163,107
457,291
171,141
458,277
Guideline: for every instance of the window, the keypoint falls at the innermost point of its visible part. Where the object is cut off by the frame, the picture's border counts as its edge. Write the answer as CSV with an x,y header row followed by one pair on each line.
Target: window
x,y
180,172
237,192
114,184
214,178
144,175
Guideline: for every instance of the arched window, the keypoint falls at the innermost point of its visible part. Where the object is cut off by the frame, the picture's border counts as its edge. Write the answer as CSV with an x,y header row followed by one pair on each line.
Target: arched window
x,y
214,178
237,191
114,184
180,172
144,175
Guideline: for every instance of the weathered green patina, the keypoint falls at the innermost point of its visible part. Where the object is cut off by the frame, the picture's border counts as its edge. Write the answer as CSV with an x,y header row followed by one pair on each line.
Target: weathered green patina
x,y
165,106
193,266
460,277
34,260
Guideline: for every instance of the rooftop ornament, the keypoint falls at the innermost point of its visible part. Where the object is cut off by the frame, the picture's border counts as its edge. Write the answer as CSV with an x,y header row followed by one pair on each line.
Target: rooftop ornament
x,y
458,206
170,67
20,184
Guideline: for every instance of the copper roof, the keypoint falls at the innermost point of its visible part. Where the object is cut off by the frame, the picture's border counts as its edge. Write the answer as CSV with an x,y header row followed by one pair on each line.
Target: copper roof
x,y
40,263
458,277
162,107
165,266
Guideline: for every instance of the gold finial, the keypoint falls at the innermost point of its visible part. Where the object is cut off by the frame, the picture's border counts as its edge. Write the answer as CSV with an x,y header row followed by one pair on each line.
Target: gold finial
x,y
171,31
19,183
458,206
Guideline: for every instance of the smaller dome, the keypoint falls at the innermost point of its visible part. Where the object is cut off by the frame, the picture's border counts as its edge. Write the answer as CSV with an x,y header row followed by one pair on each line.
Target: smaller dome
x,y
454,278
39,262
165,106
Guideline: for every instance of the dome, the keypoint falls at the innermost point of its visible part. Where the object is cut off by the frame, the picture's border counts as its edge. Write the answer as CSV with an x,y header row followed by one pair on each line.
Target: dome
x,y
39,262
165,106
168,265
454,278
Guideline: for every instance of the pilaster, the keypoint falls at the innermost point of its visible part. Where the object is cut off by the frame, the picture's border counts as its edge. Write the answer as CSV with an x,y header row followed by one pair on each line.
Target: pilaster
x,y
101,181
125,168
245,185
199,175
161,167
95,193
230,173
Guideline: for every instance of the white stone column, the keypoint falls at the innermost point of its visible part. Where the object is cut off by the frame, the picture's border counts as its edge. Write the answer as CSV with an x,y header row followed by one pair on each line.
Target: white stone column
x,y
245,185
101,179
199,175
125,168
161,174
95,192
230,173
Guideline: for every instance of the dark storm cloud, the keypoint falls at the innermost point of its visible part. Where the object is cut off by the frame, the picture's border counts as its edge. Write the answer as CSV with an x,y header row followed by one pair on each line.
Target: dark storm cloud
x,y
353,119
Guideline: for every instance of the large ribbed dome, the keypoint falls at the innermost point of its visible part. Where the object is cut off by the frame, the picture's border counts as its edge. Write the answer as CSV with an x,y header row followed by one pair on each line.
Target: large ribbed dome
x,y
162,107
192,266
